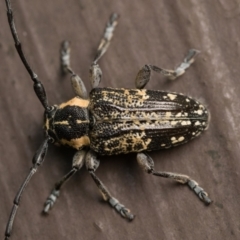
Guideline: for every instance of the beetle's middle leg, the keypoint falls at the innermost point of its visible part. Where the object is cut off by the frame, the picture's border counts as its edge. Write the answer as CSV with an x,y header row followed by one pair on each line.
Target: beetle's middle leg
x,y
78,161
144,74
147,164
92,163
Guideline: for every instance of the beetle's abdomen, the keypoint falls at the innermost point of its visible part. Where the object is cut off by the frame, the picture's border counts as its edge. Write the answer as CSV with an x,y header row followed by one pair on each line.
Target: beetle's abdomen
x,y
143,120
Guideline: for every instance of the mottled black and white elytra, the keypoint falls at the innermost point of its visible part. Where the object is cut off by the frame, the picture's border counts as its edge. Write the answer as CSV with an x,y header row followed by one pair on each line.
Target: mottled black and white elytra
x,y
137,120
112,121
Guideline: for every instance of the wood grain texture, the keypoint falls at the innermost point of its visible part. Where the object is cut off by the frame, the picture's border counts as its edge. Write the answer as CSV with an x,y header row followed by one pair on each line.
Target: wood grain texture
x,y
155,32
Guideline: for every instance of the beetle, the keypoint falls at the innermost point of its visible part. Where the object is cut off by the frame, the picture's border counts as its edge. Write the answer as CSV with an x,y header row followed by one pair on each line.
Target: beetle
x,y
111,121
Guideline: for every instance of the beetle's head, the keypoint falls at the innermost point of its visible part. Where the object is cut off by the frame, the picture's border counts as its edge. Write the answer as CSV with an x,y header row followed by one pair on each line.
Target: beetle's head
x,y
68,124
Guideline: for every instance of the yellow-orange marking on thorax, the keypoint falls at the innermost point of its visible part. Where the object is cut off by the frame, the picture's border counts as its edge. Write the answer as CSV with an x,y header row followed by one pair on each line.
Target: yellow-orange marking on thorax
x,y
76,143
76,102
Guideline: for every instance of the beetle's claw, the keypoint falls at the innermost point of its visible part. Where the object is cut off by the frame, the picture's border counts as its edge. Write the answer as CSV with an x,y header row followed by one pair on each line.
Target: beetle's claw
x,y
125,212
199,191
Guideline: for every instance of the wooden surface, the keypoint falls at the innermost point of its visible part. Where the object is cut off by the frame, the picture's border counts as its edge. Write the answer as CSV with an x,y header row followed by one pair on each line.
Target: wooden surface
x,y
155,32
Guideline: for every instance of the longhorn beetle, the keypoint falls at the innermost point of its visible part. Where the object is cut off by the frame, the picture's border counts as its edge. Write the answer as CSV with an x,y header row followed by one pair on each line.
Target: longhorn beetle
x,y
112,121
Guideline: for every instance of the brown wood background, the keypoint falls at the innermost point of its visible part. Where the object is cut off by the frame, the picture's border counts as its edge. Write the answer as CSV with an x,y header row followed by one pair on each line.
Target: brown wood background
x,y
157,32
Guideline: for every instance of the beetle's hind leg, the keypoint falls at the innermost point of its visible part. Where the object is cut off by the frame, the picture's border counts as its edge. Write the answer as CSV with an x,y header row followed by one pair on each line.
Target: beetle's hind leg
x,y
78,161
92,163
147,164
144,74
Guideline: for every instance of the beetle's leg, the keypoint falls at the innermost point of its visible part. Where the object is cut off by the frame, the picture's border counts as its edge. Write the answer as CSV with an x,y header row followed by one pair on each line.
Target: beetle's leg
x,y
92,163
77,83
144,74
147,164
107,36
37,84
37,161
78,86
65,57
78,161
95,72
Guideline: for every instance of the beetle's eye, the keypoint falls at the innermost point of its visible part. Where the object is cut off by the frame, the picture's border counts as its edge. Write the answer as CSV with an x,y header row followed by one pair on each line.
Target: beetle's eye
x,y
51,109
51,140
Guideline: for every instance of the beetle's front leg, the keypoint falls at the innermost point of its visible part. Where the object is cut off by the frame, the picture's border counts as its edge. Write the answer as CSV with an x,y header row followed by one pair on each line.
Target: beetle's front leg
x,y
92,163
144,74
78,161
65,57
147,164
95,73
107,36
77,83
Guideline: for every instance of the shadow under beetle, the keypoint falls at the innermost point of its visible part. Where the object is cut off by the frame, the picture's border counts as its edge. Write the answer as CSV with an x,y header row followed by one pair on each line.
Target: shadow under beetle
x,y
113,121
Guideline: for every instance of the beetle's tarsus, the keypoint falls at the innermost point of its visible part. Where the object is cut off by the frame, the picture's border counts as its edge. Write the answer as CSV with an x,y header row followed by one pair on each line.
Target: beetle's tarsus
x,y
192,53
199,191
65,57
107,36
51,200
188,60
125,212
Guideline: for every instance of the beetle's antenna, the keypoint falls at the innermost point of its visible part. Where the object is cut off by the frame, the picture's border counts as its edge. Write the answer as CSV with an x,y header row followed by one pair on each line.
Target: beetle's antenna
x,y
38,86
38,159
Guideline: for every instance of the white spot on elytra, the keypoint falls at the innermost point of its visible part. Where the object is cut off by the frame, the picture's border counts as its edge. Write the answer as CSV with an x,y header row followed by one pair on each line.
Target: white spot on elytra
x,y
197,123
184,123
174,122
168,114
179,114
172,96
200,112
163,145
181,139
187,100
174,140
